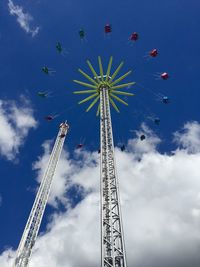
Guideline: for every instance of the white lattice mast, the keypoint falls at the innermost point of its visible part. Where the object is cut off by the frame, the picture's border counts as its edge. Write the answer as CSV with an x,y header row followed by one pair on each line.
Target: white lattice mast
x,y
104,88
33,224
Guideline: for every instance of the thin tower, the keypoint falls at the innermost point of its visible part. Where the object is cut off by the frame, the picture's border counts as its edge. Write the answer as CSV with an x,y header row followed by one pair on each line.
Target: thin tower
x,y
104,89
33,224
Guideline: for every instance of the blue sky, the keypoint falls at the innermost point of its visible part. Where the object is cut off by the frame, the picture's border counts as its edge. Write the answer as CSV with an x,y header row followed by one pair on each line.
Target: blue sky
x,y
170,26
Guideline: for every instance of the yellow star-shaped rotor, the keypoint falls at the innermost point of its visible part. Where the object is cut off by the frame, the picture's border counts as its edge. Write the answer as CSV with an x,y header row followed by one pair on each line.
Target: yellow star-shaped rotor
x,y
106,81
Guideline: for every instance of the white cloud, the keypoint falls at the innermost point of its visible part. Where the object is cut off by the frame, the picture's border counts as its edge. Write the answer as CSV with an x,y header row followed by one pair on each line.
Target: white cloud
x,y
189,137
160,196
149,144
6,258
24,19
66,174
15,122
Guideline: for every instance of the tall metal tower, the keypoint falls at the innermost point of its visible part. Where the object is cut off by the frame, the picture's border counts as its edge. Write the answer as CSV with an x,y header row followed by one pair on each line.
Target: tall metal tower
x,y
104,88
33,224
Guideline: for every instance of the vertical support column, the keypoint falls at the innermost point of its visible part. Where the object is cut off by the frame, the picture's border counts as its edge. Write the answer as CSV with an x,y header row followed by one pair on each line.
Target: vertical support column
x,y
33,224
112,239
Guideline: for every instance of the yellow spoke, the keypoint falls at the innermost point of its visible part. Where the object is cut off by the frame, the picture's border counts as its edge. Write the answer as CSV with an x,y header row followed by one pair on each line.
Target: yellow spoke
x,y
85,84
116,72
114,105
88,77
122,93
93,103
119,99
98,110
87,98
85,92
123,85
121,78
109,67
93,71
100,68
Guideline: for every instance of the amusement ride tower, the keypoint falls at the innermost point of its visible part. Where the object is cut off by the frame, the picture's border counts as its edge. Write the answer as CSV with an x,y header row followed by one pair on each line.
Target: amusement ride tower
x,y
33,224
104,89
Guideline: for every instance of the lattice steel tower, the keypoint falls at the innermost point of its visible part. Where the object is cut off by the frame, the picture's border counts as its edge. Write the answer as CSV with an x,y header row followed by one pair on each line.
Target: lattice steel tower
x,y
33,224
104,88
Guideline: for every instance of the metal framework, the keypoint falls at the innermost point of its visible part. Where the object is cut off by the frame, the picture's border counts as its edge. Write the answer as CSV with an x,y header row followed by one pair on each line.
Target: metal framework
x,y
33,224
112,243
105,89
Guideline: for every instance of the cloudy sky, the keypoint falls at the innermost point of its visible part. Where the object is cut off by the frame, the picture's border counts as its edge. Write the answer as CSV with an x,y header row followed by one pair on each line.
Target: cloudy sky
x,y
159,176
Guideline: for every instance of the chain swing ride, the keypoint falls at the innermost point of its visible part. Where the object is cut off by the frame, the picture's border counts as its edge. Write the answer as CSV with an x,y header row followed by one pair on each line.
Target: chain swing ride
x,y
104,90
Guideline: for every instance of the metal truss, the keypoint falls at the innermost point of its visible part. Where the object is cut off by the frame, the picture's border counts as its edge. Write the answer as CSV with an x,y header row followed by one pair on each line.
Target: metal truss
x,y
112,239
33,224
